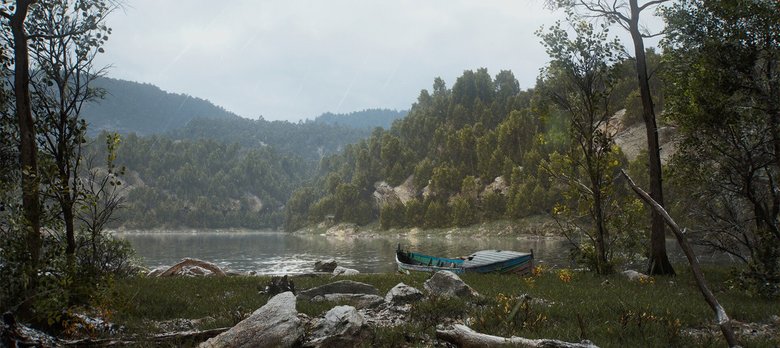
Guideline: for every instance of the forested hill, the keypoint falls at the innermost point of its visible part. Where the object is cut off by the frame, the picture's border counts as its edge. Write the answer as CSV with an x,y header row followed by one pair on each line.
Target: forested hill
x,y
465,154
365,119
307,140
142,108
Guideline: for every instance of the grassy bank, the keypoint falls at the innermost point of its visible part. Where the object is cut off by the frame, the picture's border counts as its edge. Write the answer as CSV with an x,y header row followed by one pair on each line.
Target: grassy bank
x,y
610,311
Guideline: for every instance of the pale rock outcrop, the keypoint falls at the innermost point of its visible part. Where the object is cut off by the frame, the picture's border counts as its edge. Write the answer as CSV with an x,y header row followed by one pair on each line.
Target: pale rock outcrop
x,y
406,192
384,195
498,186
276,324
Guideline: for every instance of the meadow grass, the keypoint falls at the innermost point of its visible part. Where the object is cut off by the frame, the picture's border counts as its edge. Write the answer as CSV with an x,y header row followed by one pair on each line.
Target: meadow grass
x,y
608,310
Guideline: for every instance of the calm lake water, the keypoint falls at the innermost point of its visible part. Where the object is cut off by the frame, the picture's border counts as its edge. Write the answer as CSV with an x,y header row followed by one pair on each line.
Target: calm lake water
x,y
281,252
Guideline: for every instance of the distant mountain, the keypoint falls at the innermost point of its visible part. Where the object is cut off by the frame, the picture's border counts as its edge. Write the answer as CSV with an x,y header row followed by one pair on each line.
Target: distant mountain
x,y
142,108
365,119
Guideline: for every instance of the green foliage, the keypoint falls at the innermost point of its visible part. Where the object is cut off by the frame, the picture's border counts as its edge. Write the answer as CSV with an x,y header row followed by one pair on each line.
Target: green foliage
x,y
453,142
594,214
436,215
205,183
365,119
723,94
392,216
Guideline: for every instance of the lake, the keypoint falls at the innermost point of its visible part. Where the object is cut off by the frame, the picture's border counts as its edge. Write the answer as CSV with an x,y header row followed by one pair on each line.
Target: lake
x,y
282,252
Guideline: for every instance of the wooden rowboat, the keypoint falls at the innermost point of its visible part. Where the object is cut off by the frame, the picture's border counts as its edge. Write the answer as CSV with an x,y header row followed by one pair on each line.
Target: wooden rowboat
x,y
485,261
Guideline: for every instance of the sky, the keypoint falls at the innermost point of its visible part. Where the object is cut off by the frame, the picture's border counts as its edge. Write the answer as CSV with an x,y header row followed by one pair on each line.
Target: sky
x,y
296,59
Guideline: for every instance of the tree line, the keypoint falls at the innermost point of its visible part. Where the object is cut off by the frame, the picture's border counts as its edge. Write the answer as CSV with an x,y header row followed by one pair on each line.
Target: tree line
x,y
552,147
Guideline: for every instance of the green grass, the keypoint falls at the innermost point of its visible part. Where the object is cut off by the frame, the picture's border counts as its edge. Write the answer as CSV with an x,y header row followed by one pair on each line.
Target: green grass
x,y
617,313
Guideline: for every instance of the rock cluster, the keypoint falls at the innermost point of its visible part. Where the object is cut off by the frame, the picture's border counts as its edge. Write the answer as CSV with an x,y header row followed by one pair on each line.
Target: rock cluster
x,y
278,324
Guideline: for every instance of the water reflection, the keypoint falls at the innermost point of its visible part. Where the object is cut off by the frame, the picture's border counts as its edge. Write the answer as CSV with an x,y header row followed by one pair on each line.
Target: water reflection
x,y
279,252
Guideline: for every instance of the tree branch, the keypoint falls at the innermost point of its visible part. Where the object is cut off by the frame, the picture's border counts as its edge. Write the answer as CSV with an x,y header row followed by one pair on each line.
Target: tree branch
x,y
651,3
720,313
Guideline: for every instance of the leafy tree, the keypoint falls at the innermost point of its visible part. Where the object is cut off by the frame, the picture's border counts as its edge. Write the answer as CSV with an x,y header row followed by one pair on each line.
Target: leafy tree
x,y
392,215
583,69
64,59
627,14
725,96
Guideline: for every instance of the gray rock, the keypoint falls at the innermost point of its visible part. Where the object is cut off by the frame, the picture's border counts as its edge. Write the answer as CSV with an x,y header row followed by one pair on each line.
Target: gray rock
x,y
448,284
275,324
402,294
634,275
325,266
339,287
360,301
344,271
343,326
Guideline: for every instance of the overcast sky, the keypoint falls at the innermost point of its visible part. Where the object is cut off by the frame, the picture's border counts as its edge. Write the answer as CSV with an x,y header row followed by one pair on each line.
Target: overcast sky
x,y
291,59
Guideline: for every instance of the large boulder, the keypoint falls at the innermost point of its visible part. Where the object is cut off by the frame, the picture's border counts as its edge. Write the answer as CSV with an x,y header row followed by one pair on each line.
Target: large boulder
x,y
275,324
448,284
343,326
339,287
359,301
403,294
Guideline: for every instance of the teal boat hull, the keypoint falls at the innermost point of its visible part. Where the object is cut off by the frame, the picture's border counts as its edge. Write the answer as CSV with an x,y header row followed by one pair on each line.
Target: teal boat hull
x,y
485,261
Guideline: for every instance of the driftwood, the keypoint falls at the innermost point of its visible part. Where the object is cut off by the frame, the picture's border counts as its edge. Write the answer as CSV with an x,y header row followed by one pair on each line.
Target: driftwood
x,y
188,262
720,314
171,338
463,336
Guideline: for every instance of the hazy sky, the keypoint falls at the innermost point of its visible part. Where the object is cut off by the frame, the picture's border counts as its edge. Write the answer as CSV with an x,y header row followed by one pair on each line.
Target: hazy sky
x,y
291,60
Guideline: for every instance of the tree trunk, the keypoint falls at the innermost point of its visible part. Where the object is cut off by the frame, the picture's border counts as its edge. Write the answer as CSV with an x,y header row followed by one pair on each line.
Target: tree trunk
x,y
27,146
601,233
659,260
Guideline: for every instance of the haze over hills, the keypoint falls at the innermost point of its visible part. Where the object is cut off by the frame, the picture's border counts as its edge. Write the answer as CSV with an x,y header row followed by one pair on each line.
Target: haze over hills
x,y
192,163
144,109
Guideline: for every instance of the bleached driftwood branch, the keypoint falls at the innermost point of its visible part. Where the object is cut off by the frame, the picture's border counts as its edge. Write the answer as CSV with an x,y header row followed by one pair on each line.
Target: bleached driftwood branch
x,y
188,262
464,336
720,313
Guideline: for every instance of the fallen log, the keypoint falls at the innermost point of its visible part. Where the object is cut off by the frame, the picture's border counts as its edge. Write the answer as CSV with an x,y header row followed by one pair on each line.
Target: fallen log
x,y
188,262
170,338
464,336
720,313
